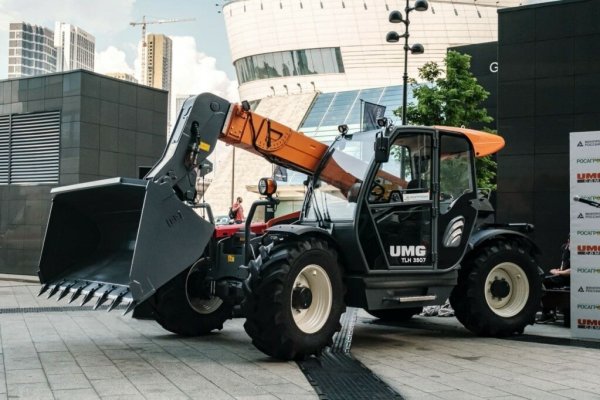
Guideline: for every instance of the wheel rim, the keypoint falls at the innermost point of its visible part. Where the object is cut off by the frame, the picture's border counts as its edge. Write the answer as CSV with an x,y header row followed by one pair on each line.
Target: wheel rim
x,y
312,318
506,289
198,297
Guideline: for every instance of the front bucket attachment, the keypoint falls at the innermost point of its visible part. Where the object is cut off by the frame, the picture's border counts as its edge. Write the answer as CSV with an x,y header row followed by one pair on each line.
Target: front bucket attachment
x,y
117,240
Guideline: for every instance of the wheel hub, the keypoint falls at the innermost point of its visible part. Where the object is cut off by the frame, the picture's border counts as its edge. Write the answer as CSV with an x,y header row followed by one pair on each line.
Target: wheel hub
x,y
199,290
311,297
301,298
500,288
506,289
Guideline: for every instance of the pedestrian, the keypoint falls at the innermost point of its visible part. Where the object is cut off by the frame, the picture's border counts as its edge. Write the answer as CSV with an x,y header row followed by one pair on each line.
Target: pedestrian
x,y
557,278
237,211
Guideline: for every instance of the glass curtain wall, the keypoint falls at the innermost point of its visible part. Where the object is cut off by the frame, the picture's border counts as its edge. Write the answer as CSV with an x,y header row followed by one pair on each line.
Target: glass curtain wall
x,y
289,63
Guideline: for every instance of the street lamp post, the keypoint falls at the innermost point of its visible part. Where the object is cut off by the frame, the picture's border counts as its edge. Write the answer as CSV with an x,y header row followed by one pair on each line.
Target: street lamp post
x,y
393,37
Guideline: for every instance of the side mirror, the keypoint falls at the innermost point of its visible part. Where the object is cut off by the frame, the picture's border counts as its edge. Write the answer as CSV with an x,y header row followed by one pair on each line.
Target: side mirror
x,y
382,148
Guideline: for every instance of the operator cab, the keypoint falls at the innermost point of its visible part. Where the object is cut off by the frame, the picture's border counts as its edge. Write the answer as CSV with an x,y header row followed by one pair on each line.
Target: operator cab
x,y
393,211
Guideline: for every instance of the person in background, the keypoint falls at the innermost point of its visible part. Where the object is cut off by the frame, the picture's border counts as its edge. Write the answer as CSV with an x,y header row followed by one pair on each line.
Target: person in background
x,y
557,278
238,211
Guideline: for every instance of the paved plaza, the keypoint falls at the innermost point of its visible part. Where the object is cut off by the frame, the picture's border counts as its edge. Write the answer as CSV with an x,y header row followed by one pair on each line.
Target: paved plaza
x,y
91,355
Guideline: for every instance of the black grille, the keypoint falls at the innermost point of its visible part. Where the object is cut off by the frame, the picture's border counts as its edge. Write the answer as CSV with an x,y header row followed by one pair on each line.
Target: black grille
x,y
29,148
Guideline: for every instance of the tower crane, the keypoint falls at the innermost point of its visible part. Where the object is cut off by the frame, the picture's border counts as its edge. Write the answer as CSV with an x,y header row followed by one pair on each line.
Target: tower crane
x,y
145,22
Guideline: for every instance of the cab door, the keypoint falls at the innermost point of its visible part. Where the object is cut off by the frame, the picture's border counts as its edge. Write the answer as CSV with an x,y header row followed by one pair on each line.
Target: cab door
x,y
400,206
457,195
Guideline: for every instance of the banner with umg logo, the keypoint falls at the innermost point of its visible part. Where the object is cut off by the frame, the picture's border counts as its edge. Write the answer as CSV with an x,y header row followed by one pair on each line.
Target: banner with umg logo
x,y
585,234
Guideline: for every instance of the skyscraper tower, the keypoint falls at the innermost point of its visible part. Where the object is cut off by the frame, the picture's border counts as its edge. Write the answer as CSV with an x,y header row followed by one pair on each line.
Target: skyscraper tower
x,y
159,59
159,65
31,50
75,47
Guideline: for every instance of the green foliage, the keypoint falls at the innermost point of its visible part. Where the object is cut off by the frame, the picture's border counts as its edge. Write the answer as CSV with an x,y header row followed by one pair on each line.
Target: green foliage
x,y
453,98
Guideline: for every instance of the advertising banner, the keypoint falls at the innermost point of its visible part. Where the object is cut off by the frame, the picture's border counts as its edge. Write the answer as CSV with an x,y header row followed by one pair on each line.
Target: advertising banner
x,y
585,233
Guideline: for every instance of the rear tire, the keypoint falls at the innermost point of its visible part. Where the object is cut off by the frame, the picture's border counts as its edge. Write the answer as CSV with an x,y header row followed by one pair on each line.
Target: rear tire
x,y
294,299
499,289
177,308
396,314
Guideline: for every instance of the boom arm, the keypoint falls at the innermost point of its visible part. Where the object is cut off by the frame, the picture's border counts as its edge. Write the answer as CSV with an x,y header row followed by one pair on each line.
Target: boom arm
x,y
206,118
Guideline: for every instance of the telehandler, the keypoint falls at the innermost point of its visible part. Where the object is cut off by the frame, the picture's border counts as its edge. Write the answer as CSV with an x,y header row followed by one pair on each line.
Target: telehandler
x,y
391,221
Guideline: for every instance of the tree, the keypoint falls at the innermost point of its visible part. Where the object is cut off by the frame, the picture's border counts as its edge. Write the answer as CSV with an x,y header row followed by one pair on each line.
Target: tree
x,y
452,97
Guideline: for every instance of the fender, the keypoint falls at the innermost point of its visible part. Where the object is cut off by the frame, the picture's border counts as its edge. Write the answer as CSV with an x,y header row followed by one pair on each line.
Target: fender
x,y
483,235
289,230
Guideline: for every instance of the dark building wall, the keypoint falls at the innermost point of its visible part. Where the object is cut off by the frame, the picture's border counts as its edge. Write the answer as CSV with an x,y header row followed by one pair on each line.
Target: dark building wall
x,y
549,83
484,66
107,128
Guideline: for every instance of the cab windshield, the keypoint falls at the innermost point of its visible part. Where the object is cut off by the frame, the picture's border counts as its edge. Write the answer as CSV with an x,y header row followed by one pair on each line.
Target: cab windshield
x,y
337,185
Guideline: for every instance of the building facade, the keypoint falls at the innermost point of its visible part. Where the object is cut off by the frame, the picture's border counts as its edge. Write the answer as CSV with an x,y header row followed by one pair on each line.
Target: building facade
x,y
75,48
294,46
31,50
548,86
61,129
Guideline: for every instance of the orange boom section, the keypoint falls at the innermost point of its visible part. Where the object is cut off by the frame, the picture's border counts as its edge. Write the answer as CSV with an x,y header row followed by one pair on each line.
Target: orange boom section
x,y
284,146
270,139
281,145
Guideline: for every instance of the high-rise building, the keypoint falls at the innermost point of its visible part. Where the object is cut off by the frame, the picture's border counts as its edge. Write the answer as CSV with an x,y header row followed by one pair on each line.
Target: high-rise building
x,y
74,47
157,68
159,58
124,76
31,50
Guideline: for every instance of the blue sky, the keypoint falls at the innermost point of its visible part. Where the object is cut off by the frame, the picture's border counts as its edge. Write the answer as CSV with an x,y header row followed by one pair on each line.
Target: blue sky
x,y
202,61
204,40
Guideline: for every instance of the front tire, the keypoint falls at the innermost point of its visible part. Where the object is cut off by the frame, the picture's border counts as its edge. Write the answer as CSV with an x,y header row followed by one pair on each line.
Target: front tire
x,y
294,299
499,289
181,307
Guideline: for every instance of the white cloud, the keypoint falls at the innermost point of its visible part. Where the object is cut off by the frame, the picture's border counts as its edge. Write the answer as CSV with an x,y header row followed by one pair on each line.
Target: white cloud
x,y
194,72
112,60
96,17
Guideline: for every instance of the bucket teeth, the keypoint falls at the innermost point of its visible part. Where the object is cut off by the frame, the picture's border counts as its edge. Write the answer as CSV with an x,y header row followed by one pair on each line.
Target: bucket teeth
x,y
130,307
88,296
44,289
65,290
104,297
55,289
118,299
106,293
77,292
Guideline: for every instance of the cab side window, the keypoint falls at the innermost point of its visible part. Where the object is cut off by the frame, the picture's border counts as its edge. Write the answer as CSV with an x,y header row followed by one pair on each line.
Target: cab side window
x,y
406,176
455,170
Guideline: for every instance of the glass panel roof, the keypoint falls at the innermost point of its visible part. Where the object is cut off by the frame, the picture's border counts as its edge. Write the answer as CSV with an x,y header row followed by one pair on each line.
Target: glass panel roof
x,y
332,109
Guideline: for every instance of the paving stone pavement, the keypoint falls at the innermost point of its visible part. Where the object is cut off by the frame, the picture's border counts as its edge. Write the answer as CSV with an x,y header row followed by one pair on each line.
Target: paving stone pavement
x,y
92,355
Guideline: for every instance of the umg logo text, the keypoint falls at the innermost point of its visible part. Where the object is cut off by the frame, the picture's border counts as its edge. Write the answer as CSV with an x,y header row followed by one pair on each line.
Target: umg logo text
x,y
410,254
408,251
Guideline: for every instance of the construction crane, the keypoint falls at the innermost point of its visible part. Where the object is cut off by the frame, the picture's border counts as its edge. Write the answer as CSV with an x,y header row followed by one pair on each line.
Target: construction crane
x,y
145,22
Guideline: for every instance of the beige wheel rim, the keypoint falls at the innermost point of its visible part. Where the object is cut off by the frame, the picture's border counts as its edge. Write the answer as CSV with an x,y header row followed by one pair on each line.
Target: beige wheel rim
x,y
314,317
518,289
